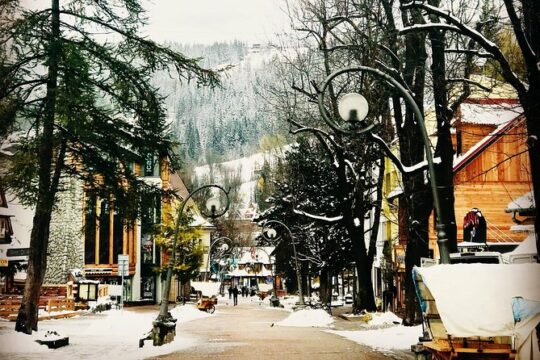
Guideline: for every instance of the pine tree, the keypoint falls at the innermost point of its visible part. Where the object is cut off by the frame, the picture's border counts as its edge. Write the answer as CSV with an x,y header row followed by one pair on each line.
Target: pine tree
x,y
84,107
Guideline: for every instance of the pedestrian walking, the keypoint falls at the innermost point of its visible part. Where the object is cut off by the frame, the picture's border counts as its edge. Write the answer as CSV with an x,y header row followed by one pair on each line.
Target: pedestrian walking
x,y
230,291
235,295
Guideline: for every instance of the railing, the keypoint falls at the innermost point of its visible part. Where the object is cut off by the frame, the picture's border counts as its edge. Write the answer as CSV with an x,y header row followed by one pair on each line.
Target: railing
x,y
497,234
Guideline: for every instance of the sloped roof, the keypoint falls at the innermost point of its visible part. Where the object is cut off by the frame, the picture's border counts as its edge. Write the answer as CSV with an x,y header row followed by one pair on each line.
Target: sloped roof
x,y
461,161
522,203
489,114
256,255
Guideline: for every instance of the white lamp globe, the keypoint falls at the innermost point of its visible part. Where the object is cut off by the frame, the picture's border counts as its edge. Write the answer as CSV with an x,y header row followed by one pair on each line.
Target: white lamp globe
x,y
224,247
350,103
271,233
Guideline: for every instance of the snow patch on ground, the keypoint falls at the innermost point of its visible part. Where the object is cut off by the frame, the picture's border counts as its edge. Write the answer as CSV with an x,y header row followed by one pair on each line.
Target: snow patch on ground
x,y
113,334
379,319
307,318
393,338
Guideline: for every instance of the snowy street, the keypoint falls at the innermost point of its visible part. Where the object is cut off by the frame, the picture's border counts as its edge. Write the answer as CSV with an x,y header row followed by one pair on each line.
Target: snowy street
x,y
247,331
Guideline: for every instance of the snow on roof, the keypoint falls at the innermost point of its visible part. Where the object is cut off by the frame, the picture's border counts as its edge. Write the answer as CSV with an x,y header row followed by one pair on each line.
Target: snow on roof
x,y
527,246
522,228
256,254
463,159
524,202
489,114
199,220
238,272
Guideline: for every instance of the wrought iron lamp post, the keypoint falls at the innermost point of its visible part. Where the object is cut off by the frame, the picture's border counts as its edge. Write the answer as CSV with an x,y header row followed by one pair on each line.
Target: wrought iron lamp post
x,y
164,326
271,234
353,108
227,245
274,300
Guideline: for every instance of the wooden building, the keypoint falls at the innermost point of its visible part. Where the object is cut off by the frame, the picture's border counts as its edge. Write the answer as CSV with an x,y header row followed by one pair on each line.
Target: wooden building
x,y
491,166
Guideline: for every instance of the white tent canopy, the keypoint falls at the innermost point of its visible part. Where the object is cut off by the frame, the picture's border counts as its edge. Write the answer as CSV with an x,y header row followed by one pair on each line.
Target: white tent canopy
x,y
477,300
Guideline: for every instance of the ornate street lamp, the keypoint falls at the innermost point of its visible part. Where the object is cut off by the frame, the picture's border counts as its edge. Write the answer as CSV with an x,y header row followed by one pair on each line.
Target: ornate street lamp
x,y
226,246
271,234
274,300
164,326
353,109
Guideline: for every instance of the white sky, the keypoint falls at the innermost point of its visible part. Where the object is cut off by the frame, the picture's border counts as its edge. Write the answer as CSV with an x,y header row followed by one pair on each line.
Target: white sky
x,y
208,21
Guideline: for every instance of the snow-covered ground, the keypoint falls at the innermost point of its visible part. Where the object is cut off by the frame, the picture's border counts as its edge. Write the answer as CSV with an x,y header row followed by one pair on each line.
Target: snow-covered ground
x,y
113,334
116,333
246,167
397,337
308,318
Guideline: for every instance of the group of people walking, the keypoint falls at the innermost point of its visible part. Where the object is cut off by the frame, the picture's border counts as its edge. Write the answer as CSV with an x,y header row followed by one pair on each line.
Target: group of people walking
x,y
234,291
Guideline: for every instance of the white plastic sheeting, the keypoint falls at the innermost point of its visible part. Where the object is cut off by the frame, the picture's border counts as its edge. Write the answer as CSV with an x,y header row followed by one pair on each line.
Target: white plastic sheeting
x,y
476,300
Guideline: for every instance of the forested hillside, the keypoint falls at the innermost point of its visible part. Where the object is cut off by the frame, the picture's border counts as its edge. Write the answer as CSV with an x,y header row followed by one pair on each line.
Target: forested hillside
x,y
227,122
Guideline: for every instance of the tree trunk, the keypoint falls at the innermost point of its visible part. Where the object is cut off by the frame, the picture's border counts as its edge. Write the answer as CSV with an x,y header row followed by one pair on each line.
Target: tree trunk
x,y
417,194
325,288
532,114
39,238
366,299
444,172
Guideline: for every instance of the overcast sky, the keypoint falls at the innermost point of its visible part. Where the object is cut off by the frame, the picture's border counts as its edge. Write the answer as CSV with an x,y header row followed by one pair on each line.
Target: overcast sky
x,y
207,21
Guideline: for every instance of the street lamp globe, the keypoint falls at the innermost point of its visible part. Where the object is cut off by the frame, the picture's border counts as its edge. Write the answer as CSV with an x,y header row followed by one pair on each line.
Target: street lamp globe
x,y
212,205
271,233
224,247
353,107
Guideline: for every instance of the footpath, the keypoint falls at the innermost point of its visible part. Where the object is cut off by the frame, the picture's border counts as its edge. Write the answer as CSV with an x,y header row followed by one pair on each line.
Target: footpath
x,y
250,331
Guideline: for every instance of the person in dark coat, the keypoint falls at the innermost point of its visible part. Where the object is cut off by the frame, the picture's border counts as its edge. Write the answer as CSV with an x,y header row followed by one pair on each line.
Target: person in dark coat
x,y
235,295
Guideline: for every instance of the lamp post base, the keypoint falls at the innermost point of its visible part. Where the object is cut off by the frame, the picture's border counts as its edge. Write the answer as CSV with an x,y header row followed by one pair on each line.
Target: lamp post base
x,y
274,301
163,331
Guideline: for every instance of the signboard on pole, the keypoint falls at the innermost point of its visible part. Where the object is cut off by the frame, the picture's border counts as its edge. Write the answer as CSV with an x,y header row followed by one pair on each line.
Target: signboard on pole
x,y
123,265
123,270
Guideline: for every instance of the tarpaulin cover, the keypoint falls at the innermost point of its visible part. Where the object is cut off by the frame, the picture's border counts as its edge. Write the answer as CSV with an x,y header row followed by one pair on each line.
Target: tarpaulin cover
x,y
479,300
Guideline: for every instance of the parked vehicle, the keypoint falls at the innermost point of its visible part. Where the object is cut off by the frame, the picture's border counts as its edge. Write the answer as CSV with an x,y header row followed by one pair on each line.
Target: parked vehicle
x,y
481,257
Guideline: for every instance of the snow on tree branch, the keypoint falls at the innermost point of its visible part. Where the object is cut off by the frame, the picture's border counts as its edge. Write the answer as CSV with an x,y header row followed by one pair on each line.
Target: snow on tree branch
x,y
459,27
402,168
319,217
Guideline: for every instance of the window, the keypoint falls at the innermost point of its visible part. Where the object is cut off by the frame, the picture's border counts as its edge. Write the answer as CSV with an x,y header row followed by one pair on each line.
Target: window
x,y
105,231
5,230
90,229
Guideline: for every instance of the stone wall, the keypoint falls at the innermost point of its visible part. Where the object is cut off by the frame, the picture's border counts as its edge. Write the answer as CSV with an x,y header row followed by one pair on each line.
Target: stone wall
x,y
66,241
